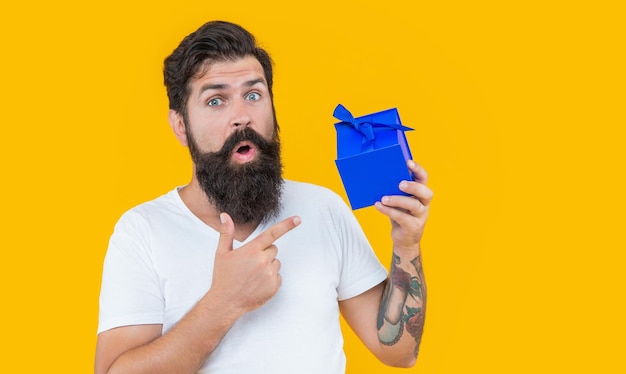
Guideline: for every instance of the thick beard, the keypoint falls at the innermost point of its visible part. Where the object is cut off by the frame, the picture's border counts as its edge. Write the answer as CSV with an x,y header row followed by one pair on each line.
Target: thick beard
x,y
249,192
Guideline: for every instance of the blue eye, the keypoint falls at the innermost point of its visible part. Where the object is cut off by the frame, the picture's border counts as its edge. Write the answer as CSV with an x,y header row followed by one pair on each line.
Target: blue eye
x,y
214,102
253,96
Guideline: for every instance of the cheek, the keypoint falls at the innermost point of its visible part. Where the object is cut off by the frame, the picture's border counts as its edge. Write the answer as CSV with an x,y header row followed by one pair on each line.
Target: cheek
x,y
207,134
205,140
269,125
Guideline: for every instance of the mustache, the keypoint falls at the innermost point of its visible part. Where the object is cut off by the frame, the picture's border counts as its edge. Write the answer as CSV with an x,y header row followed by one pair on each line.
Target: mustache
x,y
246,134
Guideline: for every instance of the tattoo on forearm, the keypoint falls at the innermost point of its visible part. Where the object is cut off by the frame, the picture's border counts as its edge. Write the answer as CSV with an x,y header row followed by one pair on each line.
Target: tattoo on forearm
x,y
403,305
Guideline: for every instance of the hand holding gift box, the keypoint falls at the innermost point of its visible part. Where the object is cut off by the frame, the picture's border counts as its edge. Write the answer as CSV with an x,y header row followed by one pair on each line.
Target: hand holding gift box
x,y
372,155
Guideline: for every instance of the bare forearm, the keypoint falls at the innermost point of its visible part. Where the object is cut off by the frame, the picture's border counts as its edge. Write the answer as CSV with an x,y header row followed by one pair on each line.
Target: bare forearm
x,y
186,346
402,310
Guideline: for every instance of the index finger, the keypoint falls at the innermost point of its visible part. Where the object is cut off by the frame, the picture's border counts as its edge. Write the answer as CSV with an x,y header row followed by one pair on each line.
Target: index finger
x,y
269,236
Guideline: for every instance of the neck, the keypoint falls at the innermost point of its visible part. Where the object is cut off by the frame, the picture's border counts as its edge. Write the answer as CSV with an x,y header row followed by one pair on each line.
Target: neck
x,y
196,201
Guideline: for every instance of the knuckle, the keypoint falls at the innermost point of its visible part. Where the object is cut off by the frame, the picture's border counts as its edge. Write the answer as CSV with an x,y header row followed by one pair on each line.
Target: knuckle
x,y
279,282
272,235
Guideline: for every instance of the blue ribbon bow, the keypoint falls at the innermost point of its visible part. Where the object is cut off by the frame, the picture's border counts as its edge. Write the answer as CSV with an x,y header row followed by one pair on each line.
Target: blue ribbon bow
x,y
366,128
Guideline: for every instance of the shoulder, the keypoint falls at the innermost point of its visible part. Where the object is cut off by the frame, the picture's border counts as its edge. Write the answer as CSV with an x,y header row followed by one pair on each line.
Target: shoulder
x,y
167,201
142,214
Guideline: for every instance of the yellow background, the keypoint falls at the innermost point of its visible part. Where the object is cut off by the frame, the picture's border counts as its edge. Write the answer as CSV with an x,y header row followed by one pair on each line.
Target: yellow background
x,y
519,114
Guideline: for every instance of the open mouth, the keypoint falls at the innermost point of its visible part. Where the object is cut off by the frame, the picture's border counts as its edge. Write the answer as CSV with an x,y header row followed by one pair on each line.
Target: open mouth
x,y
244,152
243,149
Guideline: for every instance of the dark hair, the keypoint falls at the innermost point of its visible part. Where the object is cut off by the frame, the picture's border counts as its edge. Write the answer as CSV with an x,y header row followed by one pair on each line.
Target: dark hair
x,y
215,41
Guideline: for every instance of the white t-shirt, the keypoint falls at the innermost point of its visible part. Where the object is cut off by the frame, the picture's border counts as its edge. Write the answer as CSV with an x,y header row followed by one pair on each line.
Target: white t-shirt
x,y
160,261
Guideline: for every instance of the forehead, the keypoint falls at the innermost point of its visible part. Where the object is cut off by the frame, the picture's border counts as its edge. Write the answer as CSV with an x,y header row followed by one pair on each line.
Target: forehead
x,y
229,71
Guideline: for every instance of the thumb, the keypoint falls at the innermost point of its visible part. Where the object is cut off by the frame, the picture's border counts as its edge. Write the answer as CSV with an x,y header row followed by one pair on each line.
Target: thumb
x,y
227,232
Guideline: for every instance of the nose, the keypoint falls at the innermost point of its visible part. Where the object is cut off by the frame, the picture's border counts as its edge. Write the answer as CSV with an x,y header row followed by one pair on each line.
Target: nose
x,y
240,115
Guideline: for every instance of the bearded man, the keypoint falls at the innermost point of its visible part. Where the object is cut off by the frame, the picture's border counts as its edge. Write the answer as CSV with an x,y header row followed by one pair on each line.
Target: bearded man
x,y
194,280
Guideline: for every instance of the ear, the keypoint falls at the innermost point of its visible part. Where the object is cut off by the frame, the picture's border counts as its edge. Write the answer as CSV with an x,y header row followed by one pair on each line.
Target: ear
x,y
178,126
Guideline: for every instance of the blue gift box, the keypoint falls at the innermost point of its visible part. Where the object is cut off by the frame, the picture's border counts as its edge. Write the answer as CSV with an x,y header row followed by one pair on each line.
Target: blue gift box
x,y
372,155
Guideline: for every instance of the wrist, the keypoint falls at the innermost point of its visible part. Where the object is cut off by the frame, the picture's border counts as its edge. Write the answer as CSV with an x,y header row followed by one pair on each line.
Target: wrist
x,y
406,253
222,305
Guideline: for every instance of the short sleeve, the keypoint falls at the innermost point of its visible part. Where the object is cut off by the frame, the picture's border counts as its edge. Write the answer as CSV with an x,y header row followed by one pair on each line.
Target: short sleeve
x,y
360,268
130,293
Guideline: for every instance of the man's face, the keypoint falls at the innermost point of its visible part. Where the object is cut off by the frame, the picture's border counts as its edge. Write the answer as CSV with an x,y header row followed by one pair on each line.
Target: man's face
x,y
230,131
229,96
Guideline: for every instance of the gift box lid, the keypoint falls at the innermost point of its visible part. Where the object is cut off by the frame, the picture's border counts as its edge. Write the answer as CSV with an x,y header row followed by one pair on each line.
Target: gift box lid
x,y
368,132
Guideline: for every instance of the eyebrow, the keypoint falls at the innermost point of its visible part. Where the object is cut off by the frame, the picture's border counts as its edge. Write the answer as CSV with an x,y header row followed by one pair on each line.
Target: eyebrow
x,y
219,86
